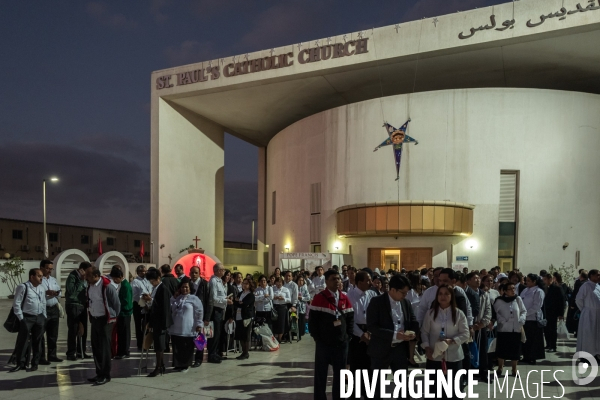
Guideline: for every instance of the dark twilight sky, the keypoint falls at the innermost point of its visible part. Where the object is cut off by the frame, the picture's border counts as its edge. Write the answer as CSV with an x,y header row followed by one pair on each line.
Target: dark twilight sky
x,y
75,93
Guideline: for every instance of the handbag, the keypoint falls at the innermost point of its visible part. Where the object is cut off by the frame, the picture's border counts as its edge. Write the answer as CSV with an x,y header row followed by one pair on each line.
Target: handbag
x,y
491,343
12,323
209,330
274,313
474,350
200,342
562,331
61,311
523,336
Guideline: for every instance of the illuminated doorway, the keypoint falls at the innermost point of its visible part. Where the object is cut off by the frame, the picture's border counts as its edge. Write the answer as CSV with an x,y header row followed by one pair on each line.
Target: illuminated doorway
x,y
397,258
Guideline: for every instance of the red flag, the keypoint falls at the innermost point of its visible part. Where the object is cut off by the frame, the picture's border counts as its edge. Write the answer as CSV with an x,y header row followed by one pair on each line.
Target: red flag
x,y
99,246
142,250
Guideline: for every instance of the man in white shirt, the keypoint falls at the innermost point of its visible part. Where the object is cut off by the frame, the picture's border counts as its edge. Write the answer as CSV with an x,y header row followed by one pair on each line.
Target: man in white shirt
x,y
318,282
52,290
104,307
350,282
360,296
29,305
139,286
392,325
293,289
219,302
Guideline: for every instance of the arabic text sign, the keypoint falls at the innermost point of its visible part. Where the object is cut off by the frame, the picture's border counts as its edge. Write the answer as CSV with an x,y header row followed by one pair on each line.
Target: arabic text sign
x,y
304,256
509,24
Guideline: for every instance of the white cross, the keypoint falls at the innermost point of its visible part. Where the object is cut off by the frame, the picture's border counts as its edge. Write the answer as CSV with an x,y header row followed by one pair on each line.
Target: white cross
x,y
222,61
344,37
299,46
210,64
233,58
272,51
328,40
435,21
246,56
360,34
397,26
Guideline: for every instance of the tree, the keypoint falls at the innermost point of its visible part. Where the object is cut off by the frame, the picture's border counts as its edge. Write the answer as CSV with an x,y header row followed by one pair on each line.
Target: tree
x,y
10,273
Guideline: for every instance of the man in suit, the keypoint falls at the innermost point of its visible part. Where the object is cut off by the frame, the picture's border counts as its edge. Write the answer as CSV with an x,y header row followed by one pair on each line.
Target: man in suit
x,y
388,317
202,290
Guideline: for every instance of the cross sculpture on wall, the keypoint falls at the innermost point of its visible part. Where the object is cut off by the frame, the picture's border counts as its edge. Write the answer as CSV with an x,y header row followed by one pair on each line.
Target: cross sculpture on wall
x,y
196,239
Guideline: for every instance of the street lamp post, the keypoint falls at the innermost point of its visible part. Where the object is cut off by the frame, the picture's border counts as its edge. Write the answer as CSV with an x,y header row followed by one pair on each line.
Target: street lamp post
x,y
53,179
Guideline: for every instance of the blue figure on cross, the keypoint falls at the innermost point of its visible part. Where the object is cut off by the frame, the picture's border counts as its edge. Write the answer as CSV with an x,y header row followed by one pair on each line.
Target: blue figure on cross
x,y
396,138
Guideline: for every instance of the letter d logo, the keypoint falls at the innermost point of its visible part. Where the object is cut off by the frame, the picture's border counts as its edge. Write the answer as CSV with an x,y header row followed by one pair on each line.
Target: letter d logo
x,y
580,370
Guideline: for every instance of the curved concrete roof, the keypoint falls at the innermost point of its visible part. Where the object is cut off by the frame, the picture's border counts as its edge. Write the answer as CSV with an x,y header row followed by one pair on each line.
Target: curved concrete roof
x,y
425,55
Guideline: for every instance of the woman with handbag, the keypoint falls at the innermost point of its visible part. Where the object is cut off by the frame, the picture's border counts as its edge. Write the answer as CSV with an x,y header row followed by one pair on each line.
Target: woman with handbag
x,y
263,297
281,296
188,313
533,299
510,315
244,313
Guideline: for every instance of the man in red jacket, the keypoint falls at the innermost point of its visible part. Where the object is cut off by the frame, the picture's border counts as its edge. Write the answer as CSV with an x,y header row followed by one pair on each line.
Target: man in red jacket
x,y
330,323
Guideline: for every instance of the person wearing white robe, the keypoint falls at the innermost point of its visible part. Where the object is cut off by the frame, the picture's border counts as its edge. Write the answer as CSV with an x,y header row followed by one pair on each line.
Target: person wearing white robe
x,y
588,301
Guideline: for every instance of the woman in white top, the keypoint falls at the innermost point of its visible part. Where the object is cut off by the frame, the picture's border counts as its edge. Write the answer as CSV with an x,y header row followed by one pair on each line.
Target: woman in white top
x,y
187,313
414,296
510,314
533,299
281,296
301,307
444,322
263,297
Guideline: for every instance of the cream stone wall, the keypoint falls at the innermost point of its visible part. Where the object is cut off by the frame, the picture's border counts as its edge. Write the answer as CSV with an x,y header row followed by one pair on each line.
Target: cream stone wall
x,y
466,137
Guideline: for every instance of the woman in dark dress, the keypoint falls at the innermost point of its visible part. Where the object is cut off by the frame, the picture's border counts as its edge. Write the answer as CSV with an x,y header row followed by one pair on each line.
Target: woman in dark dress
x,y
159,318
244,314
510,315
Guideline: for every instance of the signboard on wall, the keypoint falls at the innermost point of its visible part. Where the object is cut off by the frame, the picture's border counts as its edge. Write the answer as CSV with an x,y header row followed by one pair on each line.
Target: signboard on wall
x,y
304,256
459,266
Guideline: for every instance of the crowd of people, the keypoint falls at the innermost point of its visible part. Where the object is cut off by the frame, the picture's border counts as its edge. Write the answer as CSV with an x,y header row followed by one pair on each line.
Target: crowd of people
x,y
360,319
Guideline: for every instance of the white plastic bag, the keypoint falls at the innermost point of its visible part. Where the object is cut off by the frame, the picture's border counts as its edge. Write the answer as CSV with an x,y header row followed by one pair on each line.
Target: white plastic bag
x,y
209,330
562,331
269,343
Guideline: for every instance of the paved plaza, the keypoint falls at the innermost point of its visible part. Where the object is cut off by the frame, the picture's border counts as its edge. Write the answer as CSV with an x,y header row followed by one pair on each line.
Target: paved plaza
x,y
286,374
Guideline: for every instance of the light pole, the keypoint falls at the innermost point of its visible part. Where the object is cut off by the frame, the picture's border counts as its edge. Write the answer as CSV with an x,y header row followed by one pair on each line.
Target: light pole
x,y
53,179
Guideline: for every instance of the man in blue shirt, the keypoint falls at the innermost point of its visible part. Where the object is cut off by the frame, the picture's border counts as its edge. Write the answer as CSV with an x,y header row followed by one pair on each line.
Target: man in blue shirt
x,y
29,306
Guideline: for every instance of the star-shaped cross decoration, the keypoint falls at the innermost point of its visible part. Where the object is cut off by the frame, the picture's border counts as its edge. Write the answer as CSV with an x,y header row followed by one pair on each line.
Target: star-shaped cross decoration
x,y
329,40
360,34
435,21
397,26
272,51
299,46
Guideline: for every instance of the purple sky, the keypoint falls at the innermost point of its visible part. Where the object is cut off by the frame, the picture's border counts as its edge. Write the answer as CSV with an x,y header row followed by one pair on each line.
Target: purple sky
x,y
75,97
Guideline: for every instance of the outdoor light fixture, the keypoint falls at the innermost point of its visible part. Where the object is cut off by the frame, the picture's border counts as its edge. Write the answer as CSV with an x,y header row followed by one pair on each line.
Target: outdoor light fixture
x,y
471,244
54,179
287,247
337,245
